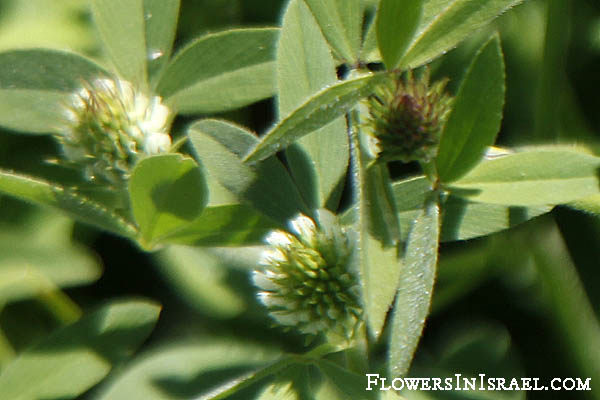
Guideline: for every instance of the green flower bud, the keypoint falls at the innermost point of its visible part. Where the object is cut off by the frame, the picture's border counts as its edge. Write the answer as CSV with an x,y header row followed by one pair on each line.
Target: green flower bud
x,y
109,126
307,281
406,118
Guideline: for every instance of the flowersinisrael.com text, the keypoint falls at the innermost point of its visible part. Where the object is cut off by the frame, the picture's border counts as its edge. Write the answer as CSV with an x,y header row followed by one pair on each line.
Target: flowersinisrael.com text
x,y
481,382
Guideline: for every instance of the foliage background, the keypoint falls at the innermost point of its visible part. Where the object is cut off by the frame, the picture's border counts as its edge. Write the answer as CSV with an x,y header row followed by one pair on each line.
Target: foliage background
x,y
488,294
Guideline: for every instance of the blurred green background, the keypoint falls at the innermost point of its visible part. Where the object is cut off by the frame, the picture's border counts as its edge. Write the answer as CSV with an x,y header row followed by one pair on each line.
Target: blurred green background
x,y
511,304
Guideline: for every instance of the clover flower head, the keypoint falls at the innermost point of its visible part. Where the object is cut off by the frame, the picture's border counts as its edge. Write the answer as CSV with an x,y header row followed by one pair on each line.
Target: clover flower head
x,y
407,116
307,281
109,125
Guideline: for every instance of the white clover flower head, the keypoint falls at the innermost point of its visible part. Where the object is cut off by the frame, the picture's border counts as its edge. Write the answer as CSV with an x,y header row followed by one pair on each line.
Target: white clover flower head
x,y
109,125
307,281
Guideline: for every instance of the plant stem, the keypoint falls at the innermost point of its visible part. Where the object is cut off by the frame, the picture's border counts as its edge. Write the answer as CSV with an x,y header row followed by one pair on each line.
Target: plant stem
x,y
552,78
60,305
572,310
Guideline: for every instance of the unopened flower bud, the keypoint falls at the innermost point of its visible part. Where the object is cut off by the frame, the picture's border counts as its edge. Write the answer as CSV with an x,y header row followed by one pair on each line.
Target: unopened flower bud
x,y
407,117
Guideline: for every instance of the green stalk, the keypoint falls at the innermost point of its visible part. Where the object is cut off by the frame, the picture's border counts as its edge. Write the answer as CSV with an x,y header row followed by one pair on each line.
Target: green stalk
x,y
64,309
552,79
7,353
573,314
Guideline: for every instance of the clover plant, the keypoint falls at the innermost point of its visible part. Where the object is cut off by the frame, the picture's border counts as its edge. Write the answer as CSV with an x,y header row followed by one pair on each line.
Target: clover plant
x,y
345,252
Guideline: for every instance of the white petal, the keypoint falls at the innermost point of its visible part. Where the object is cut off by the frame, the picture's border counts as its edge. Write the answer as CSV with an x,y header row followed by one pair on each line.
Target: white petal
x,y
159,113
278,239
303,226
105,85
270,300
262,281
285,318
135,132
140,107
157,143
126,92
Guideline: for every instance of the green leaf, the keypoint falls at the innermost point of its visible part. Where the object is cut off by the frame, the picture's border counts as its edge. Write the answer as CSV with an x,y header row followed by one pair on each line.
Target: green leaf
x,y
160,18
36,84
36,191
397,22
167,193
476,113
304,66
279,391
462,219
78,356
221,71
29,270
316,112
377,258
44,24
349,383
341,23
122,27
413,298
446,23
369,51
138,35
182,370
540,176
232,387
589,204
225,225
200,278
266,186
381,204
37,257
297,382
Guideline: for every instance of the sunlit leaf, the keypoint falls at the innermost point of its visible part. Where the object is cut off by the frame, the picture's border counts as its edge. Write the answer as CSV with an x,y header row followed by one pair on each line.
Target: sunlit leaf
x,y
122,27
46,24
397,22
35,86
476,113
27,270
304,66
221,71
461,219
318,111
185,369
225,225
75,358
341,24
542,176
378,232
347,382
167,193
279,391
36,191
413,298
266,186
589,204
446,23
160,17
